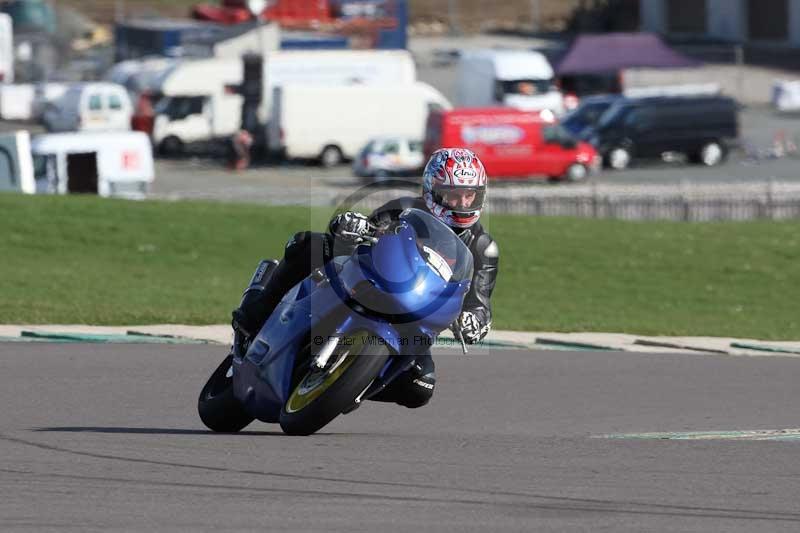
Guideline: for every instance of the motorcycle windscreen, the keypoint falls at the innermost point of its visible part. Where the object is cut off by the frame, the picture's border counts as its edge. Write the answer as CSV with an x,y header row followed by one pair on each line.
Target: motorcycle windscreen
x,y
418,271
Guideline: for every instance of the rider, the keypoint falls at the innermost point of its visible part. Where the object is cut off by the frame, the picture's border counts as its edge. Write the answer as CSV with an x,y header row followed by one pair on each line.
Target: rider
x,y
453,190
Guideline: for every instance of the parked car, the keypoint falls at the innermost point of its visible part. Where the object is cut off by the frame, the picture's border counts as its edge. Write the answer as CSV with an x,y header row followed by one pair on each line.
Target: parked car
x,y
588,113
97,106
703,127
389,156
513,143
786,95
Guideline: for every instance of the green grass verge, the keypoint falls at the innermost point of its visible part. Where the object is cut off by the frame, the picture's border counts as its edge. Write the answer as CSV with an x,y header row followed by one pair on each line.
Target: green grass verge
x,y
89,260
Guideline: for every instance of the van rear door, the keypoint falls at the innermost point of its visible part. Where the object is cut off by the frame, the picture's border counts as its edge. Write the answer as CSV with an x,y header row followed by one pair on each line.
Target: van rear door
x,y
119,116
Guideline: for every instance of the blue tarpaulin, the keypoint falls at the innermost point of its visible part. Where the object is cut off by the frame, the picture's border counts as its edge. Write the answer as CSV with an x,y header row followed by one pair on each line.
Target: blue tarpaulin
x,y
596,54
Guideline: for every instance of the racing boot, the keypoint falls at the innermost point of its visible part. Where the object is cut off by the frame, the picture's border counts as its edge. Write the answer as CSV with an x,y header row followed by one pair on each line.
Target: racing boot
x,y
254,308
414,387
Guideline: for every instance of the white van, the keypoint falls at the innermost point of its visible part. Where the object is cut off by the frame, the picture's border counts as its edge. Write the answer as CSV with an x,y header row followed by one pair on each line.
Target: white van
x,y
196,108
118,164
333,123
99,106
522,79
6,49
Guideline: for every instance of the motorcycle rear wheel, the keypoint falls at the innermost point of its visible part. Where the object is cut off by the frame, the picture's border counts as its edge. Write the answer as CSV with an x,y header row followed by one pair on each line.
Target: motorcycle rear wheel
x,y
219,409
322,395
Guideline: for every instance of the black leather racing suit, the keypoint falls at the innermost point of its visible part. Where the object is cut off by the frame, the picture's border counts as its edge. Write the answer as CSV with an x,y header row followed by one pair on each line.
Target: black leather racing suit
x,y
308,250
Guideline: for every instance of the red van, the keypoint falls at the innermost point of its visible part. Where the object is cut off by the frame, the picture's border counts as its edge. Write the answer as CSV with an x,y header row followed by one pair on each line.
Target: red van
x,y
512,143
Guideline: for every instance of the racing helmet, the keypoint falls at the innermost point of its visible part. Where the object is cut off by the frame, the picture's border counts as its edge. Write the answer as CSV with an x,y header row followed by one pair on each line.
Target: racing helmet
x,y
454,186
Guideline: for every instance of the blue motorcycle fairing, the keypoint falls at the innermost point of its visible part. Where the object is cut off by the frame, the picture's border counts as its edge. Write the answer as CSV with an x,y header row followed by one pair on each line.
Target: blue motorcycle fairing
x,y
391,275
392,279
262,379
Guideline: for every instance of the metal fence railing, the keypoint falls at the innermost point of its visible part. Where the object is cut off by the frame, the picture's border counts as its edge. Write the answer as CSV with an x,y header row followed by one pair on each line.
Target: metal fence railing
x,y
686,202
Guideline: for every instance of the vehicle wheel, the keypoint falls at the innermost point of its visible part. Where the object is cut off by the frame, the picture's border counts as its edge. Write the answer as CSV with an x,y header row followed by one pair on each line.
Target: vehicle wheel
x,y
171,146
711,154
218,407
576,173
322,395
331,156
619,158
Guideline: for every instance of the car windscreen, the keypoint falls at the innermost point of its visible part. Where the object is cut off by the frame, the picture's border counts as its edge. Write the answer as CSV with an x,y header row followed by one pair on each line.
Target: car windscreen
x,y
558,134
178,107
525,87
613,115
586,114
440,247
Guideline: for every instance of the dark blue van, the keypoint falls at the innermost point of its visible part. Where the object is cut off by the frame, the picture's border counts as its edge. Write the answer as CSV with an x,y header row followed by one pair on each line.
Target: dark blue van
x,y
702,127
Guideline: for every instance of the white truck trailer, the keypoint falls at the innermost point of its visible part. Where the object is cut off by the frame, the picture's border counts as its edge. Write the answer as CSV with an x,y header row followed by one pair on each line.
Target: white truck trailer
x,y
333,123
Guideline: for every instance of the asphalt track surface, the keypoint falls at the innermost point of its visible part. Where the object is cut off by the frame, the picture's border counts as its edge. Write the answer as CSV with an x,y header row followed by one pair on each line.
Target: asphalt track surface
x,y
106,437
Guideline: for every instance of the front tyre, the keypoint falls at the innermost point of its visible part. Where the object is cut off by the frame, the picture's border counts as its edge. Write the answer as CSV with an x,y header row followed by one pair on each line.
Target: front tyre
x,y
218,408
322,395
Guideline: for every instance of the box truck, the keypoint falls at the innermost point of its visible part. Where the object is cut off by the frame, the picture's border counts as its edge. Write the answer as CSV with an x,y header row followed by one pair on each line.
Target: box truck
x,y
522,79
195,106
333,123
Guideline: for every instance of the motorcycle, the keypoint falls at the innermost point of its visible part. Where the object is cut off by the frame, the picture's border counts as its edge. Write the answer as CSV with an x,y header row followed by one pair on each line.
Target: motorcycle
x,y
345,332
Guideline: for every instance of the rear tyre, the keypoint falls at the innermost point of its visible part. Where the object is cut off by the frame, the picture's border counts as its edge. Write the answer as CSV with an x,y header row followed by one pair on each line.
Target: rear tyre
x,y
218,408
576,173
322,395
330,156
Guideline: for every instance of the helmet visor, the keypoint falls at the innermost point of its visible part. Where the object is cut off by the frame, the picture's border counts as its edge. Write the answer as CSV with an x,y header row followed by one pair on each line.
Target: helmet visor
x,y
462,200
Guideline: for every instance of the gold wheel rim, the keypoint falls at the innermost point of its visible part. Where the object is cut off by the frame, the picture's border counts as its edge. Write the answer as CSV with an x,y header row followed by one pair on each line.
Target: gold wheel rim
x,y
316,382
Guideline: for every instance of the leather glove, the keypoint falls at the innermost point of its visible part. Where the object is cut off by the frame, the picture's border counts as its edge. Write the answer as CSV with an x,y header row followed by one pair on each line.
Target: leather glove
x,y
471,327
349,225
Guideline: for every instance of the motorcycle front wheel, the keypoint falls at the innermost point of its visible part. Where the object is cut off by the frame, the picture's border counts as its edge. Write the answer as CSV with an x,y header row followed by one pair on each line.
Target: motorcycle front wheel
x,y
218,408
323,394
